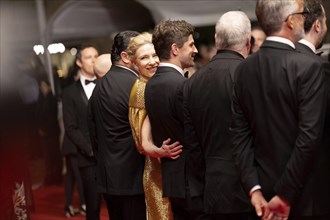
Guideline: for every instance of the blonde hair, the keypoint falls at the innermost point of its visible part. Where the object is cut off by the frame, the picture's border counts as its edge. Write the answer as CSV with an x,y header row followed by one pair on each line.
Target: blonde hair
x,y
137,42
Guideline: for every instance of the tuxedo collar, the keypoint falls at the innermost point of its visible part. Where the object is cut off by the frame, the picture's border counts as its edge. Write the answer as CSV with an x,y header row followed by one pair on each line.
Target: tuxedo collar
x,y
276,45
229,54
162,64
124,67
308,44
281,40
165,69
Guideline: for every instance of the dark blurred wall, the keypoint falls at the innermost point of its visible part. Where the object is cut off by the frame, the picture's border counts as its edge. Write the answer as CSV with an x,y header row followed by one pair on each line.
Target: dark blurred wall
x,y
18,34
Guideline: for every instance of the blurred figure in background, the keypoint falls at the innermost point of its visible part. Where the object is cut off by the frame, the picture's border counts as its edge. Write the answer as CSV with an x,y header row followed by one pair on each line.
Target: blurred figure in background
x,y
48,131
81,161
102,65
19,93
259,37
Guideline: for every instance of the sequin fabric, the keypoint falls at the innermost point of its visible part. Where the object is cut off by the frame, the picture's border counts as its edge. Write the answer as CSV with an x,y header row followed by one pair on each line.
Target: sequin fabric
x,y
158,208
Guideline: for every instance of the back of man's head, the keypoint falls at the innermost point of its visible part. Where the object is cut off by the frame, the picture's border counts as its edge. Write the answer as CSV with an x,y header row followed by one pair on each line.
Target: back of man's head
x,y
102,65
271,14
315,12
315,25
120,44
232,31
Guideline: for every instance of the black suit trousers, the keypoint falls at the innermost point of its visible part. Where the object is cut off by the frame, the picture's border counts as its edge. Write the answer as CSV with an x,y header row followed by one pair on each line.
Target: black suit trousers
x,y
72,176
126,207
191,208
92,197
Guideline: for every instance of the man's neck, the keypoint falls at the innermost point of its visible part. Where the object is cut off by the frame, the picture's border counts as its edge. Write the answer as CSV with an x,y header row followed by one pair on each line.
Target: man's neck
x,y
173,62
310,37
86,75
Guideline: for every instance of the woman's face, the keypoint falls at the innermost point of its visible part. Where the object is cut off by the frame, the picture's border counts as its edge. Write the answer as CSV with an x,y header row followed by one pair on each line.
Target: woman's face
x,y
146,61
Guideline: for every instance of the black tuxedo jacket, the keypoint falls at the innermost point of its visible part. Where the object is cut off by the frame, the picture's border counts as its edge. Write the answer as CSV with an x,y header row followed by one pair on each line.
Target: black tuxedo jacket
x,y
119,165
317,187
76,139
278,115
163,99
302,48
207,108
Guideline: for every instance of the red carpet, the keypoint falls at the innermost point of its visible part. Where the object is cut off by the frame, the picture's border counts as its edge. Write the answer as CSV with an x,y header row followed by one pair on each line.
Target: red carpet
x,y
49,204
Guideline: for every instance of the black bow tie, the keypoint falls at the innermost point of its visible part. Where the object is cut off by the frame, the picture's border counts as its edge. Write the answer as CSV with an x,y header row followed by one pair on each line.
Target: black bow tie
x,y
186,74
89,81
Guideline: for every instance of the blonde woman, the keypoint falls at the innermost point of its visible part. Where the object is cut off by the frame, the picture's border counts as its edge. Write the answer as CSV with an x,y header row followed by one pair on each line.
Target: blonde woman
x,y
142,53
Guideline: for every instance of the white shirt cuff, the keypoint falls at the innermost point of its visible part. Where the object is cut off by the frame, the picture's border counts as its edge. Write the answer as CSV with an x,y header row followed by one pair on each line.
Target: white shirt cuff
x,y
255,188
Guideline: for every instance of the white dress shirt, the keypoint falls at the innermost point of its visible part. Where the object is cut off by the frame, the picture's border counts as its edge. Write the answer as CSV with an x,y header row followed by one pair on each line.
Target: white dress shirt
x,y
89,87
308,44
281,40
174,66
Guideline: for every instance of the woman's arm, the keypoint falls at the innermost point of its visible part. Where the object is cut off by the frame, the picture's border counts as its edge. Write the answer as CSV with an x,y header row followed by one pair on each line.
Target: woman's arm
x,y
166,150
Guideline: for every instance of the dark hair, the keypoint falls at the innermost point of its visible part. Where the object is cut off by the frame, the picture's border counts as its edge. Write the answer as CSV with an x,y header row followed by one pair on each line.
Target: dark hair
x,y
80,49
168,32
120,44
315,12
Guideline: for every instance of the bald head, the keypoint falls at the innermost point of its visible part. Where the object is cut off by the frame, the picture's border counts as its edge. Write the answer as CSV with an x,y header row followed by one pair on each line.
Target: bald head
x,y
102,65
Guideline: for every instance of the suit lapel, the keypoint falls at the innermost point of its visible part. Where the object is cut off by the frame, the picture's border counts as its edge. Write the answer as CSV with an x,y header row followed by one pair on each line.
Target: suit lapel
x,y
304,49
82,93
120,69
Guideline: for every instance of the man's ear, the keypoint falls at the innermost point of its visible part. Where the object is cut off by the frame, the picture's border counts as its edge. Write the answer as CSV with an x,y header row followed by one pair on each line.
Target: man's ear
x,y
124,57
289,22
317,26
248,43
78,62
175,49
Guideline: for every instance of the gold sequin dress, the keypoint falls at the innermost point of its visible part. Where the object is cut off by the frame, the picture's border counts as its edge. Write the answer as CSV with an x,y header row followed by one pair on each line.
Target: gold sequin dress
x,y
158,208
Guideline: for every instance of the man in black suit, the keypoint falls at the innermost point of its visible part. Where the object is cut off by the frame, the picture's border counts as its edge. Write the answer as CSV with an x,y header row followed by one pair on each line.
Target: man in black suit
x,y
119,165
278,116
315,30
207,111
77,138
174,45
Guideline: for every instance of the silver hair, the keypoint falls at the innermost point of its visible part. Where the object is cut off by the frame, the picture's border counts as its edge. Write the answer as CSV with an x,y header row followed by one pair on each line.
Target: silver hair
x,y
232,30
272,13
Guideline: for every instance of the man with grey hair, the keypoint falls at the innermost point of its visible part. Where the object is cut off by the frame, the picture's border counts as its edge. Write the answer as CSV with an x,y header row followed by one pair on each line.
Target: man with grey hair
x,y
278,115
207,111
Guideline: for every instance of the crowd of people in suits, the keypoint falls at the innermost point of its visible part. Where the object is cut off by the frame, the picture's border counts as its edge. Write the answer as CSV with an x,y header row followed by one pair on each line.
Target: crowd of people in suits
x,y
245,137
